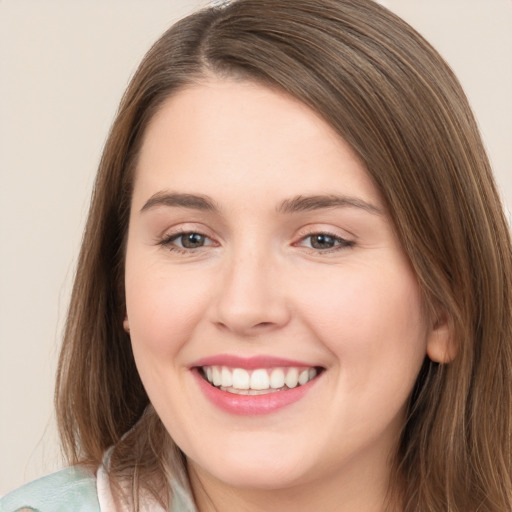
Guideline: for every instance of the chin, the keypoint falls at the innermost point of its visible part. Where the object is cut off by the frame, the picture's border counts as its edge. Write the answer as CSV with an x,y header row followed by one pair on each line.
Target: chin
x,y
270,473
259,479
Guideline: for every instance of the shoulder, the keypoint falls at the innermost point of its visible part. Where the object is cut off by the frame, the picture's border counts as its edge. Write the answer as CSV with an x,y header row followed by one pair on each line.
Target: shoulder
x,y
73,488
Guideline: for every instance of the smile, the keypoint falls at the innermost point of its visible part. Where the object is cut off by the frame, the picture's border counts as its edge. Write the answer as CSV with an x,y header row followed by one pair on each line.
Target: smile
x,y
255,385
257,381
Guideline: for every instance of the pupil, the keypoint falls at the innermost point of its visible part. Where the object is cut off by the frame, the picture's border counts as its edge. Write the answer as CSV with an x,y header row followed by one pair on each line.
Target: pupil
x,y
192,240
322,241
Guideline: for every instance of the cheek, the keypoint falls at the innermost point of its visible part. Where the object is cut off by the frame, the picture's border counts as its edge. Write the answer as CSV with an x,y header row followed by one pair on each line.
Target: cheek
x,y
372,323
162,308
372,320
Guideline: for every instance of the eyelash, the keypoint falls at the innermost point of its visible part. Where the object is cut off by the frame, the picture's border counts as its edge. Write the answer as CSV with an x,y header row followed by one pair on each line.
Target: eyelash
x,y
168,242
342,243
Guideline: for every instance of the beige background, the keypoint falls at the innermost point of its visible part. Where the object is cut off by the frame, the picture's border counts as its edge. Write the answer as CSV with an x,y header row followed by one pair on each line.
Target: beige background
x,y
63,67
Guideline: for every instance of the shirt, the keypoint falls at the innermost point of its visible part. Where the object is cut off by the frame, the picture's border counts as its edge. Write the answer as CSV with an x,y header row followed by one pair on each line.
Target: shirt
x,y
76,489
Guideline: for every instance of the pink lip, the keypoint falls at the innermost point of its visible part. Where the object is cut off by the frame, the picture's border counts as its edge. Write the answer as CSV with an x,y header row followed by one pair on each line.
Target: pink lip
x,y
249,405
249,363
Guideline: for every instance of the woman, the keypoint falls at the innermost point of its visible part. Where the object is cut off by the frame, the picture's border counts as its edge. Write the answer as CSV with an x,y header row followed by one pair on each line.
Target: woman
x,y
294,286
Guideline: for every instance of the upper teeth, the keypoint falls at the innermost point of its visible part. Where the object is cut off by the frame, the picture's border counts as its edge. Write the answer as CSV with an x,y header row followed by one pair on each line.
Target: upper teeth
x,y
261,379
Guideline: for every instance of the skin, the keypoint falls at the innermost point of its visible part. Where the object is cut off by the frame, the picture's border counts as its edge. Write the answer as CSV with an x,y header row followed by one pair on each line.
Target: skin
x,y
260,285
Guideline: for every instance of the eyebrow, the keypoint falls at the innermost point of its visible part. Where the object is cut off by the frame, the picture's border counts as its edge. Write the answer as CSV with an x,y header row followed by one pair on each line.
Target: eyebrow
x,y
294,205
319,202
193,201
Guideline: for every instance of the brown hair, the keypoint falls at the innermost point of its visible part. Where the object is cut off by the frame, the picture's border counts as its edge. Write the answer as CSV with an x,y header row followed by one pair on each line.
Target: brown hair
x,y
396,102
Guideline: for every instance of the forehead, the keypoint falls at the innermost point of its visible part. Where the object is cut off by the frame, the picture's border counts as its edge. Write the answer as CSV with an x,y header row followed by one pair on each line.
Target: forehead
x,y
242,133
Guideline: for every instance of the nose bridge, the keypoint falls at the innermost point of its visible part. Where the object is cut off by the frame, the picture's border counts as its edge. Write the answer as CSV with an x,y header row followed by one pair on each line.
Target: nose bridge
x,y
250,298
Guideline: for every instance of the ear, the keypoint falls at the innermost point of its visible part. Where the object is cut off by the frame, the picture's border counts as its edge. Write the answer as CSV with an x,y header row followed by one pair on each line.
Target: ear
x,y
441,346
126,324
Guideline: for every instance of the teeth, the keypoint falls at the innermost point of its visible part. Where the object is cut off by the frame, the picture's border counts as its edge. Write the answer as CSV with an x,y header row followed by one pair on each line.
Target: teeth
x,y
292,378
217,376
241,379
244,382
260,379
277,378
226,378
303,377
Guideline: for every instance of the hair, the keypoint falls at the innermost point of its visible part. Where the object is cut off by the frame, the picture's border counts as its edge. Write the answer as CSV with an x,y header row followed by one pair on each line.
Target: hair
x,y
390,95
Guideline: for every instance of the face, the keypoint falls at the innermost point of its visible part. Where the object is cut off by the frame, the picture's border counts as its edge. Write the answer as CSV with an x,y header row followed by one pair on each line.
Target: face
x,y
276,323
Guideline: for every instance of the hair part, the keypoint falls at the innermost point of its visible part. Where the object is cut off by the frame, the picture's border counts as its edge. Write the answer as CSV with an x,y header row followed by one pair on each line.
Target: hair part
x,y
389,94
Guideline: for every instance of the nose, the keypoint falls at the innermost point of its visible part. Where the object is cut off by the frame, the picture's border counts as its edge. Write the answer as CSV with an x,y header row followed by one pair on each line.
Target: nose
x,y
251,298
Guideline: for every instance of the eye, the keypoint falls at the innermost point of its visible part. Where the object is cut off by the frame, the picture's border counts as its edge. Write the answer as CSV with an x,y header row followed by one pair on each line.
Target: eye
x,y
190,240
324,242
186,241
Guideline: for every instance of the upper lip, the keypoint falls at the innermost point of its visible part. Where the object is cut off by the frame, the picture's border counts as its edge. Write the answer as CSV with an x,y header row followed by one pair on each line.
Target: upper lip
x,y
249,363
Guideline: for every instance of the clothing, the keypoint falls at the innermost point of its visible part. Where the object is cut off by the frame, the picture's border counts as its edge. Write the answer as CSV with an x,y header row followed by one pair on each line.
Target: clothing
x,y
71,489
75,489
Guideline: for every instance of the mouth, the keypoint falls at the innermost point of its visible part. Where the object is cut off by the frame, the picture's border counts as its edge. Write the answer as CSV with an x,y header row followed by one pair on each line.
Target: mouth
x,y
258,381
254,386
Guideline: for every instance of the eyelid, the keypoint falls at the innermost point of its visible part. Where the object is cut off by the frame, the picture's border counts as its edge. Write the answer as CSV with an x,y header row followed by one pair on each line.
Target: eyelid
x,y
176,236
324,229
185,227
166,238
346,242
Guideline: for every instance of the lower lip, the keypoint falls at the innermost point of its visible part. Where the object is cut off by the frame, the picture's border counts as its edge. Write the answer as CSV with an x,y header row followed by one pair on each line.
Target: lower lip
x,y
251,405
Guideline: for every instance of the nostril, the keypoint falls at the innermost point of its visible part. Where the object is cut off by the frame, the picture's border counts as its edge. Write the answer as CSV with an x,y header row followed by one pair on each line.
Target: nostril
x,y
247,328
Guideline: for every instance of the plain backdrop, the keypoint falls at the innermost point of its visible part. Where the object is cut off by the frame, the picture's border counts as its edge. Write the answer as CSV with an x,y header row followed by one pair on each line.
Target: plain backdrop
x,y
63,67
